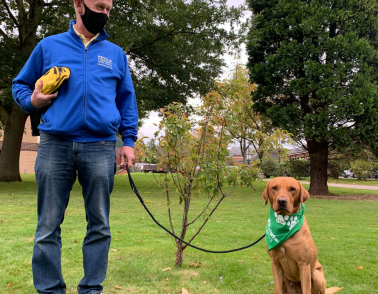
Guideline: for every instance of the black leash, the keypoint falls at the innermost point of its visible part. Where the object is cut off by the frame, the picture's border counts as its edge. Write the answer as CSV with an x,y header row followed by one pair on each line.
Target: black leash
x,y
133,187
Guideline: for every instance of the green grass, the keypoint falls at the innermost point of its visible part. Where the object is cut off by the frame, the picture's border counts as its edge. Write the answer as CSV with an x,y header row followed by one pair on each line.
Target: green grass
x,y
345,233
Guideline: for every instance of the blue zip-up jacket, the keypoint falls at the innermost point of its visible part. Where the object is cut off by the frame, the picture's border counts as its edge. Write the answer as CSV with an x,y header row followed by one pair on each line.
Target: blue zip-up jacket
x,y
95,102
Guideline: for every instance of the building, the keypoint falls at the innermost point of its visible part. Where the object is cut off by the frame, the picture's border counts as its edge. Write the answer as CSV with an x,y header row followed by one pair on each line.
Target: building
x,y
298,153
235,154
29,149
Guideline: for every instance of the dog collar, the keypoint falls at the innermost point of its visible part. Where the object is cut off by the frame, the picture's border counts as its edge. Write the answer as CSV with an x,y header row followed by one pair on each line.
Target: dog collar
x,y
282,227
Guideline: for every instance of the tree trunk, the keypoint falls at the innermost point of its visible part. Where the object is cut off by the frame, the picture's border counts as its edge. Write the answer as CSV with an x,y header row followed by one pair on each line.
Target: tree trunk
x,y
14,117
10,154
184,225
318,152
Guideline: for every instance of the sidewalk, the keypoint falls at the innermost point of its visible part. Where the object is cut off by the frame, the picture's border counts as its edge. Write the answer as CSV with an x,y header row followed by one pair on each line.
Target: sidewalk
x,y
360,187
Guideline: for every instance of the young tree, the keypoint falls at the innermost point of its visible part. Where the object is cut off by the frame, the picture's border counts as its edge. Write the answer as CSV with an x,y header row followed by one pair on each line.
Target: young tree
x,y
175,50
246,126
315,64
197,153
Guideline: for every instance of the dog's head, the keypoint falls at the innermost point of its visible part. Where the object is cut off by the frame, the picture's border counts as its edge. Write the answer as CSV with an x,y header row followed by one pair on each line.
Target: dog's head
x,y
285,195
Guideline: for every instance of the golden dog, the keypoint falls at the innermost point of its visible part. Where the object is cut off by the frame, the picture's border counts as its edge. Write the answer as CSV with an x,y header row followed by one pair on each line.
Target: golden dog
x,y
295,264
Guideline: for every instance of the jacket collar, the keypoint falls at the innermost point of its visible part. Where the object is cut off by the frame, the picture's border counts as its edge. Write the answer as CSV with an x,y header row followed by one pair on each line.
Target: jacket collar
x,y
102,36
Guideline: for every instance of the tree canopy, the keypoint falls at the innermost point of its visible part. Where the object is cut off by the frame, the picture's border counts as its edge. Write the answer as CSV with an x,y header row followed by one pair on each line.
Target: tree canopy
x,y
247,127
315,64
175,49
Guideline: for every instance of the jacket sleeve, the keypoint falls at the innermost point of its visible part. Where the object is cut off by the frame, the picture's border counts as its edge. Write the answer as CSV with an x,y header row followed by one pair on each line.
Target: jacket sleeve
x,y
127,107
23,84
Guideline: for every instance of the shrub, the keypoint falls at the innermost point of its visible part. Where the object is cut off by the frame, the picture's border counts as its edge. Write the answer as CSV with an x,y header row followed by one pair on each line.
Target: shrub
x,y
362,168
269,167
298,169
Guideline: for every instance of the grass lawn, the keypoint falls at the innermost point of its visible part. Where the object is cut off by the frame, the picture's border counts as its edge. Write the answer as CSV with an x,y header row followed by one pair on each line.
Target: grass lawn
x,y
345,233
350,181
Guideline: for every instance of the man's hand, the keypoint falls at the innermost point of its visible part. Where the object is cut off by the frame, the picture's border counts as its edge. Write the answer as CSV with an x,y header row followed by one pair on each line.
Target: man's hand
x,y
40,100
127,154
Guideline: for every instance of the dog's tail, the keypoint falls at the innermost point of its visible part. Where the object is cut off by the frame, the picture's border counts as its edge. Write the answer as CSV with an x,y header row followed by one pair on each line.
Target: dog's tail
x,y
333,290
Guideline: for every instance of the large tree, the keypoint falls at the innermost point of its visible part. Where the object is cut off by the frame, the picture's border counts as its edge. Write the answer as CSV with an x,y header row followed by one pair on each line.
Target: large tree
x,y
315,64
175,50
246,126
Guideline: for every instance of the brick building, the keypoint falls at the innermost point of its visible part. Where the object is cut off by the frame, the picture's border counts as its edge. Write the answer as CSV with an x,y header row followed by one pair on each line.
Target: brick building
x,y
298,153
29,149
236,156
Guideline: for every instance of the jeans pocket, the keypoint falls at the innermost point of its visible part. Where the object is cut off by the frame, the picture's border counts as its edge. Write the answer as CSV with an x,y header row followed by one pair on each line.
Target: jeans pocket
x,y
44,137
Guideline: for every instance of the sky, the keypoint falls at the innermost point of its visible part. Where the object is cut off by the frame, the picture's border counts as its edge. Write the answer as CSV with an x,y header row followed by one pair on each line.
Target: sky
x,y
148,128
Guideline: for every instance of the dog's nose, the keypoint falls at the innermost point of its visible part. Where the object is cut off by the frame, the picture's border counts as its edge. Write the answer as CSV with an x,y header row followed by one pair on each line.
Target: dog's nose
x,y
281,201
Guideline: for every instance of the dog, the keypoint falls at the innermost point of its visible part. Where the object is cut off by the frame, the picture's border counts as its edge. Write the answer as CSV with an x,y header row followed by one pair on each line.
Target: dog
x,y
295,265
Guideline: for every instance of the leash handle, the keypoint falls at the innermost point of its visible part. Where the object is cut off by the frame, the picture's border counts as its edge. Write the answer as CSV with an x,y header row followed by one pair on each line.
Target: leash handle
x,y
133,187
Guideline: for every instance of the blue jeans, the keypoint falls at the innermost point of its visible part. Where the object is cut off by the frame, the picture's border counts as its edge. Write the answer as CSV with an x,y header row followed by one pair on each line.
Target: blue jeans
x,y
58,163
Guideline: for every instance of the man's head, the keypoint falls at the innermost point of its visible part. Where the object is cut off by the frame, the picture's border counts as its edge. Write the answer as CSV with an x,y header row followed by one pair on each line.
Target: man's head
x,y
92,14
285,195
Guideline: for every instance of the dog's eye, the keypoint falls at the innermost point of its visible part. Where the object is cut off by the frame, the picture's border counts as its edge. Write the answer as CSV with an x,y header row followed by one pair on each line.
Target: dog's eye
x,y
292,189
274,188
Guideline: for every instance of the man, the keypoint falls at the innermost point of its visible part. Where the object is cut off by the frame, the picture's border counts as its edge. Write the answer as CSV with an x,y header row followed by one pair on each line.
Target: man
x,y
78,134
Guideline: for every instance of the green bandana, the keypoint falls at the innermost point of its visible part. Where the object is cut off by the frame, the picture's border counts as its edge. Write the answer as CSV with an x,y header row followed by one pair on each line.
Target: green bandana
x,y
282,227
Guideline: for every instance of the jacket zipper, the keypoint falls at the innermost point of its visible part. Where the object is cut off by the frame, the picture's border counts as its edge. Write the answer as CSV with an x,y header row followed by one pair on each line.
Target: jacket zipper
x,y
85,90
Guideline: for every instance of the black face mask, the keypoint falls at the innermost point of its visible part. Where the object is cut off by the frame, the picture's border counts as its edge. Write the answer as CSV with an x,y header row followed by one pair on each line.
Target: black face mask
x,y
94,22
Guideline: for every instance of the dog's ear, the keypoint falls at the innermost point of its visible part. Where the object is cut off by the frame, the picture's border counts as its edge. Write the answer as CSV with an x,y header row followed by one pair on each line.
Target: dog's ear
x,y
265,194
304,194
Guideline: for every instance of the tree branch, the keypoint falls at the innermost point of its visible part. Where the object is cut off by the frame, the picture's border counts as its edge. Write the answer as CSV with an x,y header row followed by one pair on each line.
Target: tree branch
x,y
169,209
204,223
203,211
5,35
11,14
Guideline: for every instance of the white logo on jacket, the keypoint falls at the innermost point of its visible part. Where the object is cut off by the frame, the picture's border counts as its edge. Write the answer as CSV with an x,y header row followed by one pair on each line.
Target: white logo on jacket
x,y
103,61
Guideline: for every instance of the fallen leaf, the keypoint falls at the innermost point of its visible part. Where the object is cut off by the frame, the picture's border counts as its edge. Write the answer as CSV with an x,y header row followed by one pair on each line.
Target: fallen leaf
x,y
31,239
9,284
204,282
184,291
114,250
166,269
166,279
254,257
115,239
360,267
27,218
119,232
194,275
118,257
118,287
